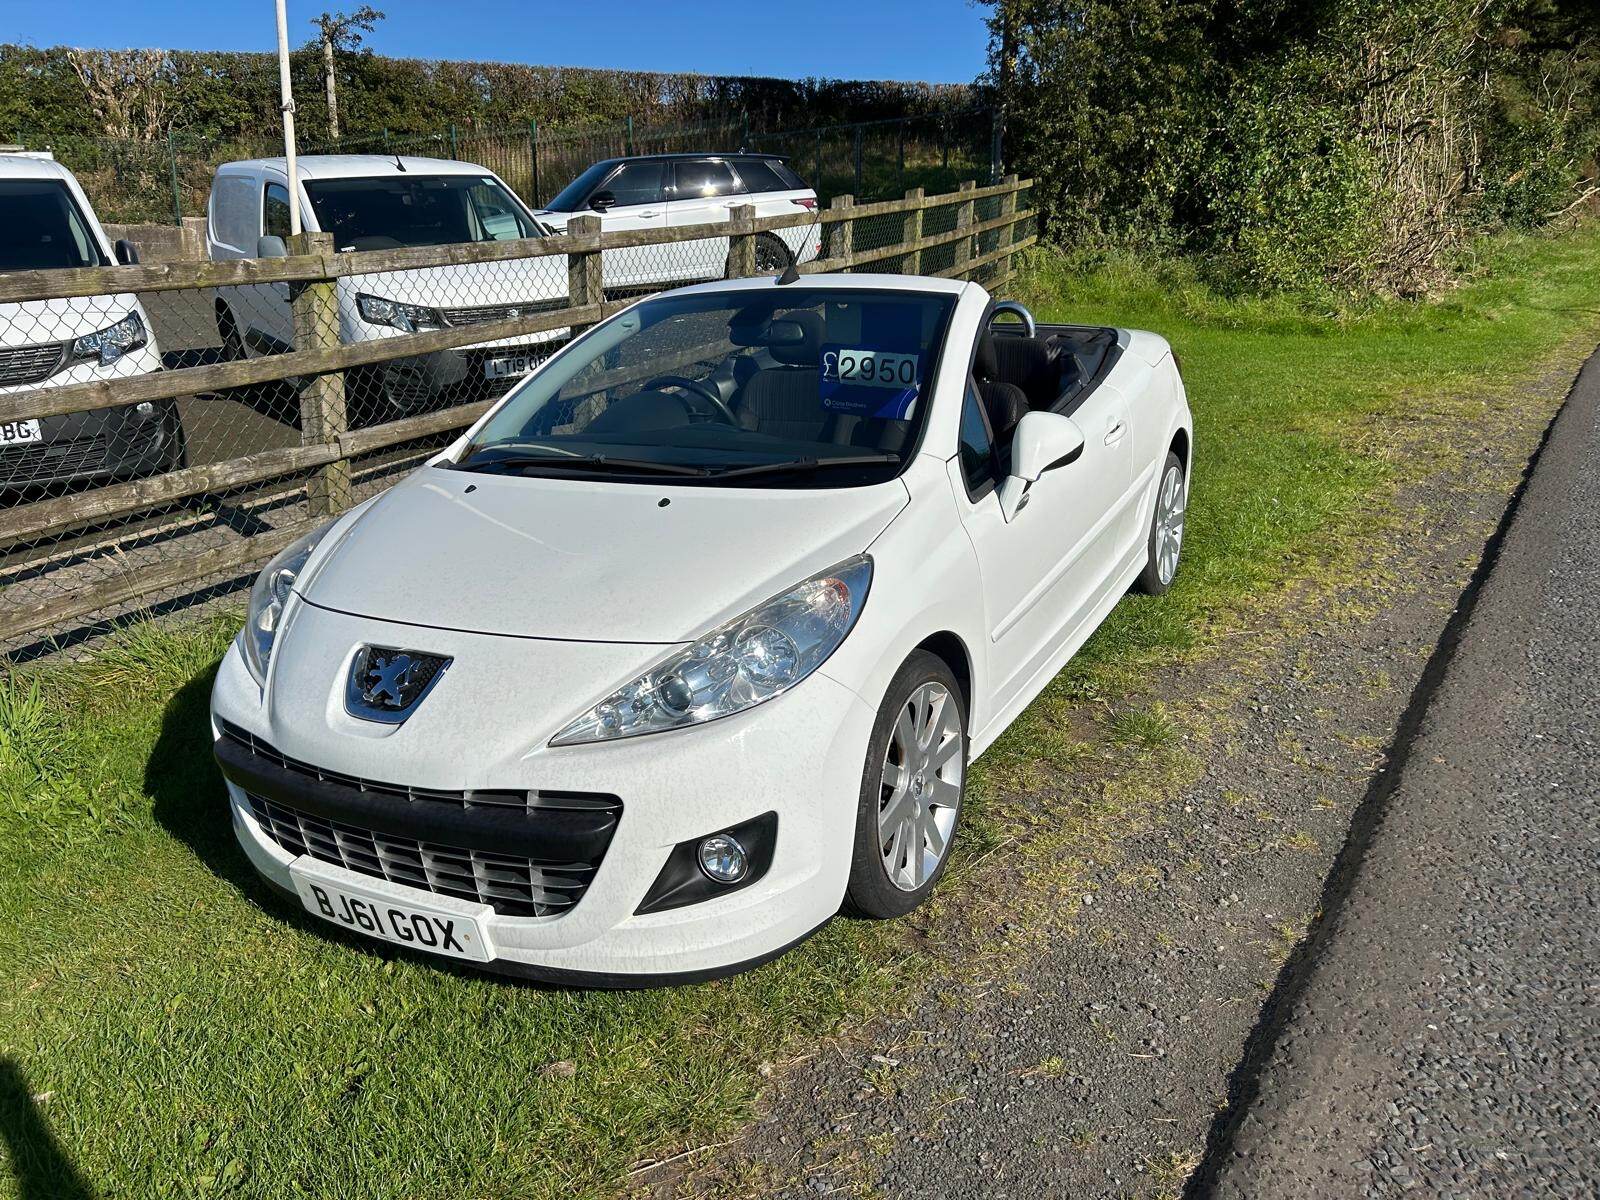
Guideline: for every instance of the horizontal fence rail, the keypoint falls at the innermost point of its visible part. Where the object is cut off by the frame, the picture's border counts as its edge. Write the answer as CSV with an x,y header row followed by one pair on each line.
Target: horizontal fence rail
x,y
261,447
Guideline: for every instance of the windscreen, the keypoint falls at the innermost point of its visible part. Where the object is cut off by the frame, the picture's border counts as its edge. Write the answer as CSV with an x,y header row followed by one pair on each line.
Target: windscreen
x,y
41,228
572,197
784,384
417,210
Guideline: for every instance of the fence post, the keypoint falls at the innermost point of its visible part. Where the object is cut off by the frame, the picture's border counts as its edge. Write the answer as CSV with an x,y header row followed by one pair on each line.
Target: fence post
x,y
858,160
177,197
322,405
584,282
742,242
966,212
533,163
1008,233
841,237
913,231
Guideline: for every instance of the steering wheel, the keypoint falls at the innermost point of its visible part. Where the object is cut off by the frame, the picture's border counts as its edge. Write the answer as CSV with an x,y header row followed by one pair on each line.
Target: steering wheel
x,y
1016,310
704,390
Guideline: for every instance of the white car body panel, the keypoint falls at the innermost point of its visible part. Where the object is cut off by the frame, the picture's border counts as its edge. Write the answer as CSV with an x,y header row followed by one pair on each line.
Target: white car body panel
x,y
549,593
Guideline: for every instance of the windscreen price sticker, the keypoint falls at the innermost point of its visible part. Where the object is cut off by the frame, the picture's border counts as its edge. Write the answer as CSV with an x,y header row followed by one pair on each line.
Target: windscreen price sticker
x,y
869,383
874,368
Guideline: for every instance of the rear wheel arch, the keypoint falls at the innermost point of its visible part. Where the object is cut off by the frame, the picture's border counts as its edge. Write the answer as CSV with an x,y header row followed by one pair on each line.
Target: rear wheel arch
x,y
1180,447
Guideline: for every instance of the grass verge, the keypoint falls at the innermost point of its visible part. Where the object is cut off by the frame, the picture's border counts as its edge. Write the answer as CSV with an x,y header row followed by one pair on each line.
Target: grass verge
x,y
167,1030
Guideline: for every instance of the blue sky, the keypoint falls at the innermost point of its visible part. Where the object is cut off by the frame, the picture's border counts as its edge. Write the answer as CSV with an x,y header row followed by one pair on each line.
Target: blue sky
x,y
942,41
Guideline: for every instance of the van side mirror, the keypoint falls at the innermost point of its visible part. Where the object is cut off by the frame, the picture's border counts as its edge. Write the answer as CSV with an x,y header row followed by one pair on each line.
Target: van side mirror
x,y
1042,442
127,253
601,201
270,245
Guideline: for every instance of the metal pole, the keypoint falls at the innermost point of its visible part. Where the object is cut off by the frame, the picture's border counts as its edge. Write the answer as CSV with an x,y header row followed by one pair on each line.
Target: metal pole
x,y
533,158
454,152
177,197
996,159
287,89
629,142
858,160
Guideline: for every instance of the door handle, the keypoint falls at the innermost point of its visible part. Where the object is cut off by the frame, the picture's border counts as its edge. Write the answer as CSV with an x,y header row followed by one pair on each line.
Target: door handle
x,y
1114,434
649,214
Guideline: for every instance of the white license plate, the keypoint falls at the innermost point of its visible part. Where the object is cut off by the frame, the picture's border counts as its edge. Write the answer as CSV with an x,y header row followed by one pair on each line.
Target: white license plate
x,y
19,433
512,367
452,932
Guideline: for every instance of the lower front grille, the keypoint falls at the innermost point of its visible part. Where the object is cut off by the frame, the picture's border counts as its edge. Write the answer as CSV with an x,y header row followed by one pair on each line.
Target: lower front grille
x,y
514,886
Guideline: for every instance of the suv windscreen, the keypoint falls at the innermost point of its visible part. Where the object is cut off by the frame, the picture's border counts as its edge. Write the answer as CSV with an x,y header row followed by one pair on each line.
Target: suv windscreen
x,y
810,387
417,210
576,194
41,228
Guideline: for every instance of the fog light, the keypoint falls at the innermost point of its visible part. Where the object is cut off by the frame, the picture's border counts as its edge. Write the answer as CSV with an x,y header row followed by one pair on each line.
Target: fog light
x,y
723,859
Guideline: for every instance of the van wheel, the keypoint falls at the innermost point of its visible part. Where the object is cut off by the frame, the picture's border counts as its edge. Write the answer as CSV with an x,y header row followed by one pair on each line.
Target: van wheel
x,y
772,256
228,331
911,790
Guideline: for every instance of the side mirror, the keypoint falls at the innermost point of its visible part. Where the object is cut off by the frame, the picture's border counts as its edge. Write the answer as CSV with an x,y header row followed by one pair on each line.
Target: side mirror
x,y
127,253
270,245
601,201
1042,442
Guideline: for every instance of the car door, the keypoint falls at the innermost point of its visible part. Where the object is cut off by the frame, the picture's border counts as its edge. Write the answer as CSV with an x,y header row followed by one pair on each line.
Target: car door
x,y
703,192
271,321
1046,571
637,194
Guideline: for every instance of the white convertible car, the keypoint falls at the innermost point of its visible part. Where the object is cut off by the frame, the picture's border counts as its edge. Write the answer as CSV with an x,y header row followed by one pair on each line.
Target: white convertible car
x,y
687,644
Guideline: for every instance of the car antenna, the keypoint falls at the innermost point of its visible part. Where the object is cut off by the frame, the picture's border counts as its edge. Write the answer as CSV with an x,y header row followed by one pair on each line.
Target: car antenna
x,y
398,165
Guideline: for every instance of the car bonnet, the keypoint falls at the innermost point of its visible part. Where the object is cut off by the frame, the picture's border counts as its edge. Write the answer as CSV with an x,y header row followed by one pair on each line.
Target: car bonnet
x,y
588,561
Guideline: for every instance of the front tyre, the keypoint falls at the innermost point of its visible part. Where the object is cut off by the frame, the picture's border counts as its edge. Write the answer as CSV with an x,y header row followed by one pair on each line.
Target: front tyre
x,y
911,790
1166,530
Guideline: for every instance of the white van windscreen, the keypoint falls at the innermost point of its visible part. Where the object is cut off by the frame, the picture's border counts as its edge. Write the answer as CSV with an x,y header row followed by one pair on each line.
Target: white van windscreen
x,y
417,210
41,228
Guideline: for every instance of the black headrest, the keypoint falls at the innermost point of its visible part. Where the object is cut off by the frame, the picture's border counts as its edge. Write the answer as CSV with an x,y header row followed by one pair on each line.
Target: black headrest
x,y
984,365
1028,363
747,329
1006,404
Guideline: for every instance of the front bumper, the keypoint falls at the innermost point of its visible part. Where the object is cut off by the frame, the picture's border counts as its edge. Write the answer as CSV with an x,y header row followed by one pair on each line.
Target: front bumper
x,y
107,443
800,756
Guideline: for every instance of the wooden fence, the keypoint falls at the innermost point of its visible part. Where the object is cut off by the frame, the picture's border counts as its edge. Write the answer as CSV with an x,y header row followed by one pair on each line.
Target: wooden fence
x,y
328,448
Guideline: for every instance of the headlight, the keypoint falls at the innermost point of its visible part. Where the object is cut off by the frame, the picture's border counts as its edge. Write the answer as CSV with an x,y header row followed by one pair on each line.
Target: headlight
x,y
741,664
410,317
267,600
108,345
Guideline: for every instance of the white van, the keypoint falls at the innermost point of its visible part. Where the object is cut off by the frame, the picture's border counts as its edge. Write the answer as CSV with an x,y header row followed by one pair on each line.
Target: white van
x,y
661,191
381,202
47,224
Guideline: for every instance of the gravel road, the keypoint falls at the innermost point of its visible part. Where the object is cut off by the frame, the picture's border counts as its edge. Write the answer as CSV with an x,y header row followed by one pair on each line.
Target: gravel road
x,y
1445,1037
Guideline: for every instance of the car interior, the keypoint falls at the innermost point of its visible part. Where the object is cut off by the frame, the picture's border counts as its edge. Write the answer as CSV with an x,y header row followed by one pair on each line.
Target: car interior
x,y
1021,366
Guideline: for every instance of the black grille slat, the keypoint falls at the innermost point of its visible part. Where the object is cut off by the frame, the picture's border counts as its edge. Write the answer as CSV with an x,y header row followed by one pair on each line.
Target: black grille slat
x,y
482,314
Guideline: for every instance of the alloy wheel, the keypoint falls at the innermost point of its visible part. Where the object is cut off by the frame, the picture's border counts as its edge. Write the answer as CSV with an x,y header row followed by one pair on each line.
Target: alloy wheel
x,y
1170,506
921,786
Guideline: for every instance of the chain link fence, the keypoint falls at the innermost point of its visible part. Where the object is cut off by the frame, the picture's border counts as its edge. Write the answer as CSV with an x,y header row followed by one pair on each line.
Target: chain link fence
x,y
161,181
163,429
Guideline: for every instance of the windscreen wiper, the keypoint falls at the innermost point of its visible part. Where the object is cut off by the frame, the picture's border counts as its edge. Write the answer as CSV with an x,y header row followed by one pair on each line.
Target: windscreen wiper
x,y
807,464
516,462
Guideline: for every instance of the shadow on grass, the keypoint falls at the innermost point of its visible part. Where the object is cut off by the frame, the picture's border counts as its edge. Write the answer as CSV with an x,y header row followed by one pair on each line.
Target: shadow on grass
x,y
189,800
39,1166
